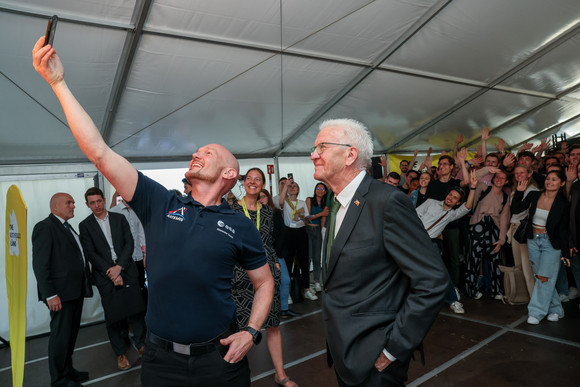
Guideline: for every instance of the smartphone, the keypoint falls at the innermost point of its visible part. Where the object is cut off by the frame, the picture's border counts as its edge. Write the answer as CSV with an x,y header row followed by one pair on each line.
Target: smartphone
x,y
50,30
290,176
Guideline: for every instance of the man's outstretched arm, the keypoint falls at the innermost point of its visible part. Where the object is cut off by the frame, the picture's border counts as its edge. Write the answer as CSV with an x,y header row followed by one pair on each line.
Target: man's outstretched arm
x,y
113,166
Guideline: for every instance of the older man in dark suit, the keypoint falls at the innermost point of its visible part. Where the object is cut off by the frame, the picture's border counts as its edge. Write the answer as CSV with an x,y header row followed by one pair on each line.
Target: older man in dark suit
x,y
383,284
108,245
63,280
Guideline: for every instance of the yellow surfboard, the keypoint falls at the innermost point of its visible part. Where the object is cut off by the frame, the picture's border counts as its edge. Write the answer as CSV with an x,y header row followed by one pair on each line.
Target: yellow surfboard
x,y
16,279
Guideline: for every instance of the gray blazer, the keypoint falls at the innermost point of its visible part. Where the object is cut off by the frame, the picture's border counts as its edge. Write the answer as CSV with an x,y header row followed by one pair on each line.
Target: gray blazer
x,y
384,285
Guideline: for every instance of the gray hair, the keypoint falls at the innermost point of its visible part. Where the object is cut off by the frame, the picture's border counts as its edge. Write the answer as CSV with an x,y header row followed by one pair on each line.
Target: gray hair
x,y
358,136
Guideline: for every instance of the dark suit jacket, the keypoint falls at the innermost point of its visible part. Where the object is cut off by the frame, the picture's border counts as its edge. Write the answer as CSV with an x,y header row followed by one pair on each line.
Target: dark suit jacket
x,y
57,262
98,252
384,285
558,221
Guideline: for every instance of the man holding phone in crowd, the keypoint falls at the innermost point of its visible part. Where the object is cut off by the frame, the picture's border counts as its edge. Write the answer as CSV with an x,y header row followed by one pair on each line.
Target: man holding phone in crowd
x,y
193,244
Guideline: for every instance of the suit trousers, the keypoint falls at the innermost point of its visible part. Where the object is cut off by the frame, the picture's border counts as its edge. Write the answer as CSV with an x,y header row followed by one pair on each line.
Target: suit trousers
x,y
64,329
393,376
118,332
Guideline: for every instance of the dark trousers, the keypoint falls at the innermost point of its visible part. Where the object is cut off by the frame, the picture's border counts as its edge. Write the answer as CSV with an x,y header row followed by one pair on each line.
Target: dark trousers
x,y
451,247
393,376
118,332
297,243
163,367
64,329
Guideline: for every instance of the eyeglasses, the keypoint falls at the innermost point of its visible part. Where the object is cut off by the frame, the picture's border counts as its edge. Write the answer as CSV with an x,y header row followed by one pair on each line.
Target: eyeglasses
x,y
320,189
320,148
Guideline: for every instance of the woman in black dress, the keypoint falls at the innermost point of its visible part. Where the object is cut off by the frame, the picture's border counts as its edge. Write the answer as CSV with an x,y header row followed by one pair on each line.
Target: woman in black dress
x,y
242,288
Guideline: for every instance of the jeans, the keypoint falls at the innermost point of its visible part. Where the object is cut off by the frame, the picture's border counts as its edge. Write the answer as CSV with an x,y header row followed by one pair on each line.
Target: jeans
x,y
545,261
284,284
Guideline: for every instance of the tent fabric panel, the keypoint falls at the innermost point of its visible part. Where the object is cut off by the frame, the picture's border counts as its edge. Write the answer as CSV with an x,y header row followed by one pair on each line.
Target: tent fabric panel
x,y
168,74
364,34
252,101
380,100
481,40
116,11
555,72
491,109
251,23
554,113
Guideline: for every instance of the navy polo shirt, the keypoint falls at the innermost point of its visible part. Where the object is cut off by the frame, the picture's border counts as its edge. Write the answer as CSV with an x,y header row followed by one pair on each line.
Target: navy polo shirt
x,y
191,254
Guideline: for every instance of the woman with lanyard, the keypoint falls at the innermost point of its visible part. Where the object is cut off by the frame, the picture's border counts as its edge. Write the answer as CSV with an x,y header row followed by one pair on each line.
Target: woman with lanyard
x,y
318,212
295,220
547,233
242,288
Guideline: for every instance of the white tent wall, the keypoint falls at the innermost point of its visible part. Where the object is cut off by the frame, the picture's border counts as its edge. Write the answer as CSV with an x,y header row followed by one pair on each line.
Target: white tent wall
x,y
38,183
36,191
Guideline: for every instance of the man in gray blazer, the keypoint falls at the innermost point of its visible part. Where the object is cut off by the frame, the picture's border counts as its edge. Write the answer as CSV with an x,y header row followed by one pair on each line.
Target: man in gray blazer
x,y
63,281
383,283
108,245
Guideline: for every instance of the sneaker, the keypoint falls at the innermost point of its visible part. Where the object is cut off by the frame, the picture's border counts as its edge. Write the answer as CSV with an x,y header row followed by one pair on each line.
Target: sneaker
x,y
499,297
573,293
553,317
457,307
309,294
457,294
478,295
533,320
290,302
564,298
317,287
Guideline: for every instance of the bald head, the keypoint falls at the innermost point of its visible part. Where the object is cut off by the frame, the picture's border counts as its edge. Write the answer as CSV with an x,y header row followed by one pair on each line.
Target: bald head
x,y
62,205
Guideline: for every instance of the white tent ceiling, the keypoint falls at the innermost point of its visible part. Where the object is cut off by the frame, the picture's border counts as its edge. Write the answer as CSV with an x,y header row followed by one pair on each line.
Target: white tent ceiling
x,y
162,77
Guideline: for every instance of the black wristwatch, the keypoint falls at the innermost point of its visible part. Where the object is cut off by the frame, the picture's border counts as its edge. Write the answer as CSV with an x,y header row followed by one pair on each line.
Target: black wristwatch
x,y
256,335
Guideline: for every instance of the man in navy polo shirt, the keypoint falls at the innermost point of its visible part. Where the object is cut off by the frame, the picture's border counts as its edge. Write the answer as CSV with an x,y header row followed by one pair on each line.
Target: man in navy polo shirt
x,y
193,243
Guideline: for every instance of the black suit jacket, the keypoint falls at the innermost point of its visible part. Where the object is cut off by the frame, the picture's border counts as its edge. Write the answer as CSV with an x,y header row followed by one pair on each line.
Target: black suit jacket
x,y
558,221
58,263
384,285
98,252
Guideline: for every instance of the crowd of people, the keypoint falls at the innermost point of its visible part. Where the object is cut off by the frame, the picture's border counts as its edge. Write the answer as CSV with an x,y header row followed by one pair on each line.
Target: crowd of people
x,y
535,187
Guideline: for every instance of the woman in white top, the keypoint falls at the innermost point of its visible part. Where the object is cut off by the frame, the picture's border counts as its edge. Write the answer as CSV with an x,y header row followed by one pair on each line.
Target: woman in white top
x,y
295,213
520,250
547,234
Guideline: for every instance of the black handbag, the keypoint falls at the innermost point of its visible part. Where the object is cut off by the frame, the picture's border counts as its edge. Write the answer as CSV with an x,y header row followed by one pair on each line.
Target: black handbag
x,y
520,234
123,302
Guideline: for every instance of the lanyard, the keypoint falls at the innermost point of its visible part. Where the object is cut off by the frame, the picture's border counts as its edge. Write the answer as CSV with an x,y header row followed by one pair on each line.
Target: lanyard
x,y
292,207
248,213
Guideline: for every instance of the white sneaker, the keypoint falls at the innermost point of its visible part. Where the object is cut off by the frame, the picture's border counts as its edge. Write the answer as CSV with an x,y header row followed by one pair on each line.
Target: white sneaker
x,y
317,287
457,307
310,295
533,320
500,297
553,317
290,302
478,295
573,293
564,298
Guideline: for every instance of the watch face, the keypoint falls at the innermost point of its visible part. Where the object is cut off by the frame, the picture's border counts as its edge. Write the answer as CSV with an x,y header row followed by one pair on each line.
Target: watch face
x,y
257,337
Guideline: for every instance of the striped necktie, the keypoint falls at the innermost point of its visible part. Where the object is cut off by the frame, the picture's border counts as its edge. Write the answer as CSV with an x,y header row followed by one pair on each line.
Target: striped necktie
x,y
331,228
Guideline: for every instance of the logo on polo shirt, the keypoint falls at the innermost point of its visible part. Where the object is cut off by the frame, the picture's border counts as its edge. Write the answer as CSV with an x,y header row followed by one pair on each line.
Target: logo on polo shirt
x,y
228,230
178,214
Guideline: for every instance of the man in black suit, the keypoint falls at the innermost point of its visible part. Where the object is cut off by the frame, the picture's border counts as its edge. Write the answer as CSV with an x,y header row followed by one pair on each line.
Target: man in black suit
x,y
108,245
63,280
383,284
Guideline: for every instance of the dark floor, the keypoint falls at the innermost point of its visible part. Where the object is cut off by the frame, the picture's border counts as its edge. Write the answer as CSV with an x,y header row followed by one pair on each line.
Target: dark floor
x,y
490,345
